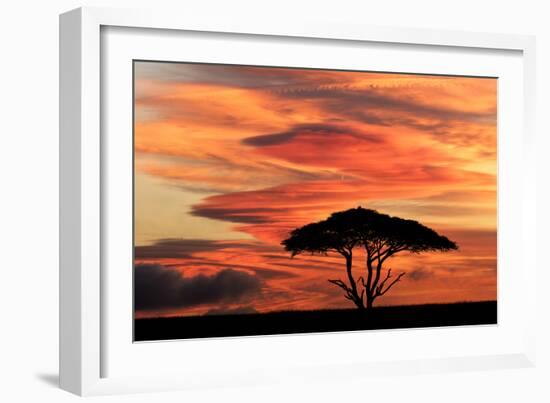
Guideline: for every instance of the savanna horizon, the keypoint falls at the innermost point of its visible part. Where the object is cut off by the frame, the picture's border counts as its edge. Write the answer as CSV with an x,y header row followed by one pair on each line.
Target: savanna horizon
x,y
338,309
327,320
230,159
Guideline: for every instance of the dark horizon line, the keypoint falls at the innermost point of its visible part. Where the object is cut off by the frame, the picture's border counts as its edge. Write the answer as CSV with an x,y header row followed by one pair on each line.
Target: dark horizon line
x,y
319,310
304,322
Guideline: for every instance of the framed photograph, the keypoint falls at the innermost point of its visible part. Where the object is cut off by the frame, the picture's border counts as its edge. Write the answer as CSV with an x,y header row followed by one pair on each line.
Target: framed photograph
x,y
248,203
249,187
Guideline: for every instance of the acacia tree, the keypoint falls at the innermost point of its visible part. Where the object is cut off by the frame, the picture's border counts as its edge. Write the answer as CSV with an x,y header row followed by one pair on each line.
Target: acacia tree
x,y
382,236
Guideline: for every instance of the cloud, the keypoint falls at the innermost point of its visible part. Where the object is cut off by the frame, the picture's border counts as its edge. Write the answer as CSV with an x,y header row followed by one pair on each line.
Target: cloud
x,y
262,272
418,274
351,101
281,208
185,248
433,111
158,287
231,75
215,173
309,130
250,215
410,208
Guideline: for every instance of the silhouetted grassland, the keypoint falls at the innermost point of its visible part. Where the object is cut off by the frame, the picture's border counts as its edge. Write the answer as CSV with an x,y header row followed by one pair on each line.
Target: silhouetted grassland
x,y
330,320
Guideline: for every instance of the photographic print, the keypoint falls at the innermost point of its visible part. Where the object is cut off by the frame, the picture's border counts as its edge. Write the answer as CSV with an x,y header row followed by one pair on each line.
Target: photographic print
x,y
274,200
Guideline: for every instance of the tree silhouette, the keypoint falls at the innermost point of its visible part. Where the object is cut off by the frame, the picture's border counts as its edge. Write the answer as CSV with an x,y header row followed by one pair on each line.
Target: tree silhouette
x,y
382,236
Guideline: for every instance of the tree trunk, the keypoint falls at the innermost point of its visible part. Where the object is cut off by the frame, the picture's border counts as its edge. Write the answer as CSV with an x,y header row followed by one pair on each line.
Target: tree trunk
x,y
369,296
360,305
356,299
370,301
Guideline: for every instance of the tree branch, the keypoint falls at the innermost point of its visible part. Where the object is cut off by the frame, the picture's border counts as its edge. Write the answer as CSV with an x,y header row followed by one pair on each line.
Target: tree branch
x,y
342,251
380,291
340,284
379,245
343,286
379,288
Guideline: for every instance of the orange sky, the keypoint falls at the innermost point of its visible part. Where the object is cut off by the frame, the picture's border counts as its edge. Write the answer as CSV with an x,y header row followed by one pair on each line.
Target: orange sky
x,y
229,159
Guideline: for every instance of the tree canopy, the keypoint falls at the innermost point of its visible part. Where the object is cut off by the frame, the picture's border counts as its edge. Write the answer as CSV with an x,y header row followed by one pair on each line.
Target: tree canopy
x,y
381,235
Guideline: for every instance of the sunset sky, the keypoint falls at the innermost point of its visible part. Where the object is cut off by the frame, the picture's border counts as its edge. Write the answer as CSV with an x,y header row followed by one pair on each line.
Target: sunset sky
x,y
230,159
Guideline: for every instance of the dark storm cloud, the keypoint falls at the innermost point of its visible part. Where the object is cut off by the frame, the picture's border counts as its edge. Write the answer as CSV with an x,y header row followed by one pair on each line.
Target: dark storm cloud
x,y
315,129
159,287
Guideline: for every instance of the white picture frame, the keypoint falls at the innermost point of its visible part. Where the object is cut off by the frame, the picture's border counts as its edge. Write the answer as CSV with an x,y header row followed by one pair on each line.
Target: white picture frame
x,y
85,344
